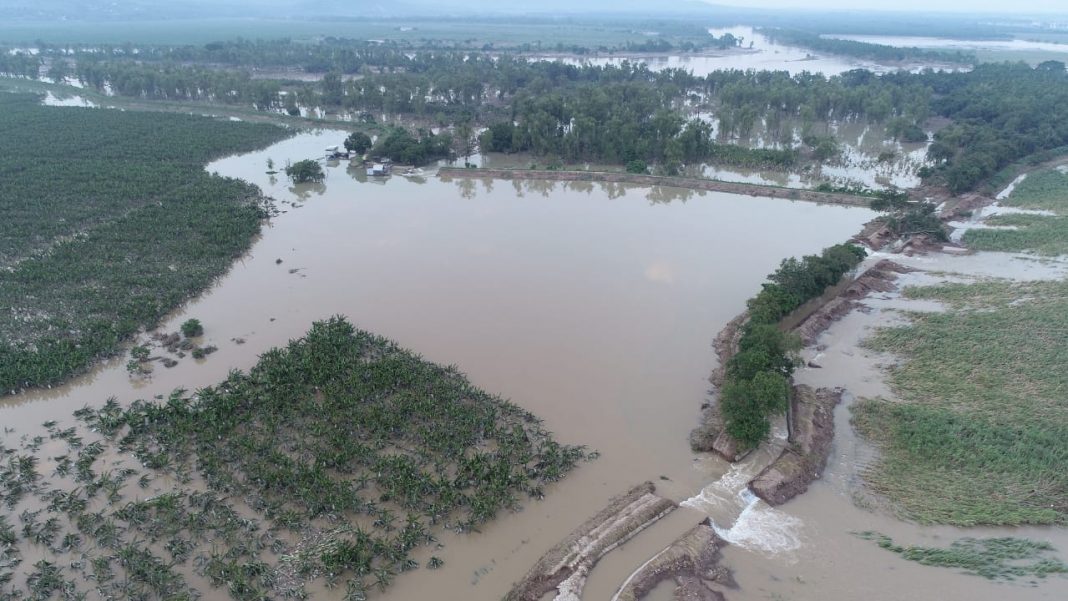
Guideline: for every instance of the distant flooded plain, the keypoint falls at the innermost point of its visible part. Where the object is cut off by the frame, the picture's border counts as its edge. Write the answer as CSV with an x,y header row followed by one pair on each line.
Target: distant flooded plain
x,y
757,52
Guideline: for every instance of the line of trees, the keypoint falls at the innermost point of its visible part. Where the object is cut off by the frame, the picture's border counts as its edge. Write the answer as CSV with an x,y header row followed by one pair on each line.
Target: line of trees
x,y
757,382
866,50
399,145
351,56
999,113
20,64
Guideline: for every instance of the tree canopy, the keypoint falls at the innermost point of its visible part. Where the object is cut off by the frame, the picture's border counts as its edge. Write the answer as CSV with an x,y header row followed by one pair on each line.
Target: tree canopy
x,y
306,171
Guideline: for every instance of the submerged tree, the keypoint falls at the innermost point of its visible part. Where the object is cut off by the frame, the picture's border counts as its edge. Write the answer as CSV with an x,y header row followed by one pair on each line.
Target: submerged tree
x,y
192,328
305,171
358,142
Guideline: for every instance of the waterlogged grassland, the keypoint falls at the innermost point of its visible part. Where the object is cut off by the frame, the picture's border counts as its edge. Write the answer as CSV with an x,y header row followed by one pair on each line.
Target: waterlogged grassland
x,y
1047,189
335,458
109,223
992,558
1042,234
981,433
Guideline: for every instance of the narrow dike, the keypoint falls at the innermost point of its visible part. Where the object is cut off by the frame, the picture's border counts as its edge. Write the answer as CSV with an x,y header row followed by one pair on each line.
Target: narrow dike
x,y
566,566
692,561
689,183
811,413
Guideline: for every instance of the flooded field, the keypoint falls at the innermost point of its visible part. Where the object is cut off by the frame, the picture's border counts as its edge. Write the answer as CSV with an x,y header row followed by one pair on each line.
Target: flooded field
x,y
756,52
952,44
594,307
833,562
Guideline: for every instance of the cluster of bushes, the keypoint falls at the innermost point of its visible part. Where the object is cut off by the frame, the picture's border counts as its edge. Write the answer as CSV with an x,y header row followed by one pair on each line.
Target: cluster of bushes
x,y
402,147
306,171
757,377
907,218
358,142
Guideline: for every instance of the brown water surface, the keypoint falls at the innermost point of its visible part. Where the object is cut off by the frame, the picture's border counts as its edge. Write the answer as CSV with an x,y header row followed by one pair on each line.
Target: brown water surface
x,y
591,305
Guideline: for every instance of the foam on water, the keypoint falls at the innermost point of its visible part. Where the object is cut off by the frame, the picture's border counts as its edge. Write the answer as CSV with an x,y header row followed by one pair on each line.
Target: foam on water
x,y
753,524
761,527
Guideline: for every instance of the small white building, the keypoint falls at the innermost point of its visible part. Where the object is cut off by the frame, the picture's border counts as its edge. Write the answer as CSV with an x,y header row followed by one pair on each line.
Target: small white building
x,y
379,169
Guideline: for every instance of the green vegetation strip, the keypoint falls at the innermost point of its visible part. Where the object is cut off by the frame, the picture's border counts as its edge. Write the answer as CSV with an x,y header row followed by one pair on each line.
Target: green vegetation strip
x,y
981,434
110,222
334,458
994,558
998,114
756,385
866,50
1042,234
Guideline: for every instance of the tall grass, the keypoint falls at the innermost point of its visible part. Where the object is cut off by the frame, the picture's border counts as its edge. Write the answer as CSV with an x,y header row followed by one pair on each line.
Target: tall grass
x,y
1044,235
1004,558
982,437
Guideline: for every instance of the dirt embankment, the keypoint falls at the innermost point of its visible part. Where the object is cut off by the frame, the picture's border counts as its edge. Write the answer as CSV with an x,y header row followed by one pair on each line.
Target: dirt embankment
x,y
659,180
802,462
710,435
692,561
879,278
567,565
812,411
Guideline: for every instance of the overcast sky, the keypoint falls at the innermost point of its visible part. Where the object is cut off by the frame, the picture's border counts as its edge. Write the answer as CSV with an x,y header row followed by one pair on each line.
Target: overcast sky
x,y
1002,6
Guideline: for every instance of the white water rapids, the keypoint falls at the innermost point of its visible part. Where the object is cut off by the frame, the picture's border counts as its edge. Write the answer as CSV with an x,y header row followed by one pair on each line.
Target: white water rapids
x,y
740,517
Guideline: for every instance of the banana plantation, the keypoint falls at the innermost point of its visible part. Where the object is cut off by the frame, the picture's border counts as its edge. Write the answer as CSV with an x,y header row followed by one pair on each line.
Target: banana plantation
x,y
110,222
337,458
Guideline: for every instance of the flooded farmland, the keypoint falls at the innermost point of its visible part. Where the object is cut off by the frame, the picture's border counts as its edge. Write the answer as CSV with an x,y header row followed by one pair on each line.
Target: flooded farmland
x,y
591,305
757,52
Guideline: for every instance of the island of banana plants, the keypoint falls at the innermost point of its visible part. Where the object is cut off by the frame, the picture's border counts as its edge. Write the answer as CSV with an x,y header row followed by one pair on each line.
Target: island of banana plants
x,y
335,458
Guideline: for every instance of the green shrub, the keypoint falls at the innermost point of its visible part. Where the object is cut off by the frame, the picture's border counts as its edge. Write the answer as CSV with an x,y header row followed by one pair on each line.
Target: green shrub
x,y
192,328
306,171
746,405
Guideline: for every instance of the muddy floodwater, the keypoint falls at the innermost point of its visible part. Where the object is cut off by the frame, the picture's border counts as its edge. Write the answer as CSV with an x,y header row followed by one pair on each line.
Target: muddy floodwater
x,y
758,52
953,44
593,306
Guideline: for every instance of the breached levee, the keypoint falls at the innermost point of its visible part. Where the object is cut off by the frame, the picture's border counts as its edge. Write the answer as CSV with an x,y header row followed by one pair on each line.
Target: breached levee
x,y
566,566
801,462
811,319
692,562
